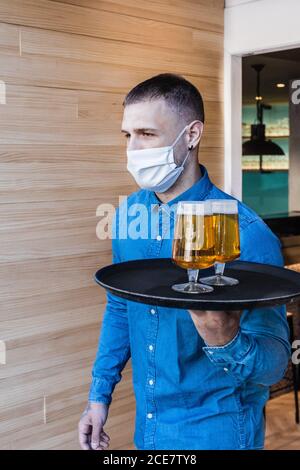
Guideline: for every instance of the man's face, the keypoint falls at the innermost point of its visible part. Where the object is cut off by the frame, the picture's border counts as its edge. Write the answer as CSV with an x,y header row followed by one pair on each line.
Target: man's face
x,y
152,124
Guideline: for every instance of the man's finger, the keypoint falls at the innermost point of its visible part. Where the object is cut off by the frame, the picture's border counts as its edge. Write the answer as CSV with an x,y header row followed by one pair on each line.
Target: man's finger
x,y
96,432
84,432
104,444
105,437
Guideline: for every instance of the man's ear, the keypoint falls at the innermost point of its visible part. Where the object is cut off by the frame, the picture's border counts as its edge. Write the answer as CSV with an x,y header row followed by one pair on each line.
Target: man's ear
x,y
194,144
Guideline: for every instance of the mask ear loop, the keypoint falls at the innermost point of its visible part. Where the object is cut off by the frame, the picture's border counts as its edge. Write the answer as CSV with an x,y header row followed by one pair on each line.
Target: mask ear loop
x,y
189,151
176,140
179,135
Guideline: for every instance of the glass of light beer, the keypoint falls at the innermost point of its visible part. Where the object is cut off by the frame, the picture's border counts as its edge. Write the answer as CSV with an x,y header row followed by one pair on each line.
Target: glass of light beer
x,y
193,243
227,240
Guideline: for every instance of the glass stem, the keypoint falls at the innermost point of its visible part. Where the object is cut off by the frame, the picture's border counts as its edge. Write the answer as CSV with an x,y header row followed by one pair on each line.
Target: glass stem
x,y
193,275
219,269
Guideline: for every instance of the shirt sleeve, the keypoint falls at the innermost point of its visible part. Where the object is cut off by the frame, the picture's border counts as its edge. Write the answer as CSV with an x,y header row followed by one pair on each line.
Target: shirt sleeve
x,y
260,351
114,347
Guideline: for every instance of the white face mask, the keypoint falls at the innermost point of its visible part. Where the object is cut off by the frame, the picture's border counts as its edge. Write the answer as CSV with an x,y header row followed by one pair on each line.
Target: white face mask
x,y
154,168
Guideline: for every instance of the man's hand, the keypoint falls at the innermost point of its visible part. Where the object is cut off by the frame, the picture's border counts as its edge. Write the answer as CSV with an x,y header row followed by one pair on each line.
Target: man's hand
x,y
90,427
216,328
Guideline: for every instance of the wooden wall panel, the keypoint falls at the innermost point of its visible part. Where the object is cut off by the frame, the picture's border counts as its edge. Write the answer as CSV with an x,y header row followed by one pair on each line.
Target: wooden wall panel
x,y
202,14
67,66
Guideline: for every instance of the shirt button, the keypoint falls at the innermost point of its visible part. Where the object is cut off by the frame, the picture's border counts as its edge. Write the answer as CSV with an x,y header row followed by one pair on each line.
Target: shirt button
x,y
225,368
158,238
149,415
152,311
151,382
151,347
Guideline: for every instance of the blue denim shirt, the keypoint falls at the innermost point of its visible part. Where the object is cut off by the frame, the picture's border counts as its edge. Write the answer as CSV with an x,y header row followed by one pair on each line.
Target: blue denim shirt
x,y
189,395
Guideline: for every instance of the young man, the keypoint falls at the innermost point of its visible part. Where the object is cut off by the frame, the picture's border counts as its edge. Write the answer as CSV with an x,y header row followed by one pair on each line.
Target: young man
x,y
200,378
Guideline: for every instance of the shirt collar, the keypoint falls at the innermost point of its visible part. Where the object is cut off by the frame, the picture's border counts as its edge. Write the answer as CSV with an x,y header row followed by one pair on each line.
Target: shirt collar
x,y
197,192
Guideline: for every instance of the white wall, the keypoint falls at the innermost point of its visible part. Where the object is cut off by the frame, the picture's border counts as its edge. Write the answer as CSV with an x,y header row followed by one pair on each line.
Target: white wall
x,y
251,27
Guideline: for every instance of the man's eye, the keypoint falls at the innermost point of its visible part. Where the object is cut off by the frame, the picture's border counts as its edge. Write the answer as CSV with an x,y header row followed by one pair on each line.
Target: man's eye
x,y
147,134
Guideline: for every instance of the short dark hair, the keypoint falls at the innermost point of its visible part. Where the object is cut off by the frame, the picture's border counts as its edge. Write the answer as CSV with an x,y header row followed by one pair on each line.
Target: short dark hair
x,y
179,93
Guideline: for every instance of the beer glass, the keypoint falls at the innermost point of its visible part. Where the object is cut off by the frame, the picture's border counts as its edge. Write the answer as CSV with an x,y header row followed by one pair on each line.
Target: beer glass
x,y
227,240
193,243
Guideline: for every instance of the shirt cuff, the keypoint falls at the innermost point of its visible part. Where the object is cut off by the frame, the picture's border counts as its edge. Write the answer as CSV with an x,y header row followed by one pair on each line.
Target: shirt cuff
x,y
100,391
233,352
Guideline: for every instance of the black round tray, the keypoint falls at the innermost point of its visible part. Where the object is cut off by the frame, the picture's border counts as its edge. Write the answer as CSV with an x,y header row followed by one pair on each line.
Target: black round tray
x,y
149,281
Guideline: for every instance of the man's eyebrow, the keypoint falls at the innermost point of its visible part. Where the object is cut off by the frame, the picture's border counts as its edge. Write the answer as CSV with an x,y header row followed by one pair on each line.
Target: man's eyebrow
x,y
141,129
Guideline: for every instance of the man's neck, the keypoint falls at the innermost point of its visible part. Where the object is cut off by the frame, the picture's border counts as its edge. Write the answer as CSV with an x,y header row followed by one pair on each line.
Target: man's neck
x,y
190,175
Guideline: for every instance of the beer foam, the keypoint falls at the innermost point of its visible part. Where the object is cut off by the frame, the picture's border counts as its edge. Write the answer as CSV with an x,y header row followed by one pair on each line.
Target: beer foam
x,y
224,206
194,207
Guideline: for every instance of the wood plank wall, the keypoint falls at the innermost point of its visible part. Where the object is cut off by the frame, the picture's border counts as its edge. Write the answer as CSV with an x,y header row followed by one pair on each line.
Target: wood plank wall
x,y
66,66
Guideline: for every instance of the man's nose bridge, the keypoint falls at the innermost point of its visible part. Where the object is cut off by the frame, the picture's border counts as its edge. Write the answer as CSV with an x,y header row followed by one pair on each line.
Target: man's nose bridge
x,y
131,143
134,147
